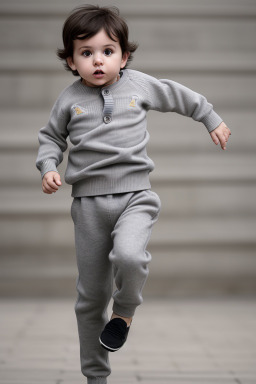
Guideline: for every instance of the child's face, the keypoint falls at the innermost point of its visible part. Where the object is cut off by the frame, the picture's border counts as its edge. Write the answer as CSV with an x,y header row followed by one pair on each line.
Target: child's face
x,y
97,60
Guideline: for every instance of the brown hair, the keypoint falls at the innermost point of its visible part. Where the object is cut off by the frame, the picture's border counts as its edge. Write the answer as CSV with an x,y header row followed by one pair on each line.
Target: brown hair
x,y
86,21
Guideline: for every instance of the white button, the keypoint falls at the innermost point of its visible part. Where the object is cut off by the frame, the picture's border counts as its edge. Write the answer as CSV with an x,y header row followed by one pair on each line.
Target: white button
x,y
106,92
107,119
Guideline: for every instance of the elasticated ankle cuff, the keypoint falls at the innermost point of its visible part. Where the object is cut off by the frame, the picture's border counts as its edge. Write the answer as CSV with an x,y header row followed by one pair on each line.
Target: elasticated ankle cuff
x,y
96,380
124,312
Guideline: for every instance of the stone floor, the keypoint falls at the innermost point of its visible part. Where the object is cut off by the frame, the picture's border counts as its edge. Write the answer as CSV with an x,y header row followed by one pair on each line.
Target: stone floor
x,y
175,342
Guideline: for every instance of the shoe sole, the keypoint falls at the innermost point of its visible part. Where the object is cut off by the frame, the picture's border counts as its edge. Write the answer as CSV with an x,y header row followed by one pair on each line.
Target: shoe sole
x,y
108,348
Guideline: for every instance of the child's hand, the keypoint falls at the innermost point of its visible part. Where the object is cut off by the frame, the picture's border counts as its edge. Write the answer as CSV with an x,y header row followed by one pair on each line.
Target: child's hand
x,y
221,135
51,182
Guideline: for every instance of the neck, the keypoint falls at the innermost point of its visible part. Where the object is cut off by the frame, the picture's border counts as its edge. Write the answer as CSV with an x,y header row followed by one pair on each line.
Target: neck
x,y
101,86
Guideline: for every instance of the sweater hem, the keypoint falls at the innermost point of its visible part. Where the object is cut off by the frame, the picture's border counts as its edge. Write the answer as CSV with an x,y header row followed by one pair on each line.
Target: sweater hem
x,y
98,187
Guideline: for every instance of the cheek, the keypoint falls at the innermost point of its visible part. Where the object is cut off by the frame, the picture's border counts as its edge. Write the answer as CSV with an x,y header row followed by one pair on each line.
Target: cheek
x,y
118,62
82,64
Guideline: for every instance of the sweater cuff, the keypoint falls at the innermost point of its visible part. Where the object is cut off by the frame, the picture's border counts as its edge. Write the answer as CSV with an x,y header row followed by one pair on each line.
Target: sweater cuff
x,y
47,165
212,121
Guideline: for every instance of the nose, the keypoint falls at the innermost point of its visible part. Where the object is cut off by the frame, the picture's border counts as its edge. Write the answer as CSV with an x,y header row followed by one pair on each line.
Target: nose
x,y
98,59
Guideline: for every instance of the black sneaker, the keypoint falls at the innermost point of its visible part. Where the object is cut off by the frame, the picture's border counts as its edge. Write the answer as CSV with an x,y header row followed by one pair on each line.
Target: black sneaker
x,y
114,334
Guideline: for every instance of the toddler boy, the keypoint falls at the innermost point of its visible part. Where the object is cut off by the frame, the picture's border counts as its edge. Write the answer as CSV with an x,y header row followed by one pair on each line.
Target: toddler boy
x,y
114,209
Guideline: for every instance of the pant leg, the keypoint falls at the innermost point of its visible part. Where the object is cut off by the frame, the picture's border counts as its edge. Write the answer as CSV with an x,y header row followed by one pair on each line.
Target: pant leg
x,y
94,284
129,255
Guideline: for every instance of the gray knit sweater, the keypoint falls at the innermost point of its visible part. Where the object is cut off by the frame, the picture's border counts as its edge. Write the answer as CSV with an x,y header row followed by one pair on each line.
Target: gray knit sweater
x,y
108,132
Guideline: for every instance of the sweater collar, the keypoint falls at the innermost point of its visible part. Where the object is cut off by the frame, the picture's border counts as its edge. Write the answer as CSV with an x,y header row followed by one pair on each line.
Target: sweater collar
x,y
97,90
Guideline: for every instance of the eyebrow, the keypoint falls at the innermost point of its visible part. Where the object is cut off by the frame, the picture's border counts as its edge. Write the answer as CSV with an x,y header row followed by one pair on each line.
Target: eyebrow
x,y
90,47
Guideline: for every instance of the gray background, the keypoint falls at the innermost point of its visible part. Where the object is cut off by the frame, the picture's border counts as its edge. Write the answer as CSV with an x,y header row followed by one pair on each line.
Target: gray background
x,y
205,241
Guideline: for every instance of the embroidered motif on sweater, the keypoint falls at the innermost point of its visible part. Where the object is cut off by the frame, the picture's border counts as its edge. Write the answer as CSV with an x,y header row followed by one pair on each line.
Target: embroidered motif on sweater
x,y
78,110
133,102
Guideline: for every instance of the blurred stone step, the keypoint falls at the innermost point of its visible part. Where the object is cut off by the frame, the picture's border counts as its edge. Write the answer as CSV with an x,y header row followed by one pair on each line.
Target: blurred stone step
x,y
174,272
164,8
221,168
220,34
40,91
165,287
45,61
204,231
149,29
191,200
224,167
175,133
155,288
26,232
168,131
166,262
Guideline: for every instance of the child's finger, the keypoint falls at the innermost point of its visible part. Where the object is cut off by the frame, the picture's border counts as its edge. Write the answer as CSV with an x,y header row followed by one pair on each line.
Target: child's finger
x,y
49,186
214,138
57,179
226,134
223,141
45,190
51,183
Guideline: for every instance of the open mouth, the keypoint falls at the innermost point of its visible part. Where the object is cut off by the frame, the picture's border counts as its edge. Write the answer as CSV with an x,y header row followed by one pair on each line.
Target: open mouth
x,y
98,72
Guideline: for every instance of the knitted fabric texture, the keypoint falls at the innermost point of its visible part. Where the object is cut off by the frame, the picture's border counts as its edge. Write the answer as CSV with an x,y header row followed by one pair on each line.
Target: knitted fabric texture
x,y
108,131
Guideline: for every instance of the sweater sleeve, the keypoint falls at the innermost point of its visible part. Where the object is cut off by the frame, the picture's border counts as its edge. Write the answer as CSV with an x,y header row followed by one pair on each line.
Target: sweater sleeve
x,y
169,96
52,140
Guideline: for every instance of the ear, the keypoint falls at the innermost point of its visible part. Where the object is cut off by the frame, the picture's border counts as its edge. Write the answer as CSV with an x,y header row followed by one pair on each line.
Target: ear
x,y
125,57
70,63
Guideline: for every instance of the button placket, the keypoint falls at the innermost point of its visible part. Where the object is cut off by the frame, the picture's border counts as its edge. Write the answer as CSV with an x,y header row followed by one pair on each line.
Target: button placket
x,y
108,106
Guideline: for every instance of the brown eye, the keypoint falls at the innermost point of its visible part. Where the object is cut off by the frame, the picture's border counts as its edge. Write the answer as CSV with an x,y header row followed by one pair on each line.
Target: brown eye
x,y
108,52
87,53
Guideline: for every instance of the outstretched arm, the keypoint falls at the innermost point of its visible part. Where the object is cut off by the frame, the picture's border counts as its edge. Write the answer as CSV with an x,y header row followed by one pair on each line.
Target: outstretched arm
x,y
221,135
168,96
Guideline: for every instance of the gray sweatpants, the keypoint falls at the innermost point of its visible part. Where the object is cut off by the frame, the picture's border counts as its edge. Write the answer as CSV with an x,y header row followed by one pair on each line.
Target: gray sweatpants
x,y
111,236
